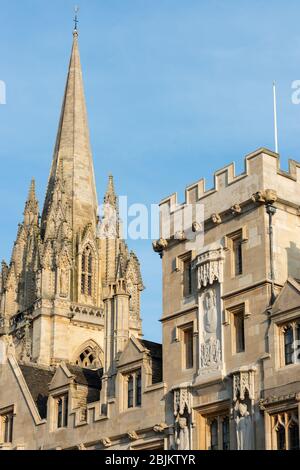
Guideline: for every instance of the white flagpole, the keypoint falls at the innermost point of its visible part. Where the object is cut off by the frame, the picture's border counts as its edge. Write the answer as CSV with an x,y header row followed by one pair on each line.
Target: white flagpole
x,y
275,118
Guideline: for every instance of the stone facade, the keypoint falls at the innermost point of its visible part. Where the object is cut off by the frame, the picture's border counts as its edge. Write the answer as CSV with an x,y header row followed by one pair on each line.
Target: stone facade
x,y
75,370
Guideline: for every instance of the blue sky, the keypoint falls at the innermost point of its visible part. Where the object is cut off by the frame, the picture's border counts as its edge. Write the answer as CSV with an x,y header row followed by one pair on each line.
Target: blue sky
x,y
175,90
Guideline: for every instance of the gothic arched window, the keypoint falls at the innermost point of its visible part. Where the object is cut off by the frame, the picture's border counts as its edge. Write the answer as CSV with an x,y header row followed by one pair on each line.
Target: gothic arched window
x,y
88,359
87,272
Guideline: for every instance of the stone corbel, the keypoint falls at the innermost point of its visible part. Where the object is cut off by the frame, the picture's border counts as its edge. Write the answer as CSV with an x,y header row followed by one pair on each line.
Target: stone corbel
x,y
216,219
132,435
106,442
267,196
160,245
180,235
236,209
160,427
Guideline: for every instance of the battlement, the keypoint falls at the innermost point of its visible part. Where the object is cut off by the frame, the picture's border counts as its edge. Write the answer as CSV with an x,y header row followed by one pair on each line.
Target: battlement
x,y
262,170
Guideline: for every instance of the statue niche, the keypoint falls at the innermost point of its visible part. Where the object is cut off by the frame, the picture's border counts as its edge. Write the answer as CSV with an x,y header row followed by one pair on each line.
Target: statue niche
x,y
210,329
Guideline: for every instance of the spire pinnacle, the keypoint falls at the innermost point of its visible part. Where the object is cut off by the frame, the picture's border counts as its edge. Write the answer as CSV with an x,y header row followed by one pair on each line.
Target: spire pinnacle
x,y
76,21
31,193
110,195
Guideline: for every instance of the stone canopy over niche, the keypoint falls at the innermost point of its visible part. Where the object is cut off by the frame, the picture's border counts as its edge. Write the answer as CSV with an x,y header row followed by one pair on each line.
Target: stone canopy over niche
x,y
210,267
210,276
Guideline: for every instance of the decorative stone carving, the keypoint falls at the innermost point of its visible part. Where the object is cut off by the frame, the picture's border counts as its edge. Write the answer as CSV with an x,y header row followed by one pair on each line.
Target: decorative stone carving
x,y
235,209
210,334
210,267
268,196
196,227
160,245
160,427
243,383
182,412
182,401
106,442
81,446
132,435
216,219
243,407
180,235
243,425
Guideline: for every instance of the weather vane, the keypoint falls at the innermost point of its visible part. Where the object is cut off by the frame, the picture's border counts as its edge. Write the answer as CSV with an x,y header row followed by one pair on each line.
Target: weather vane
x,y
76,17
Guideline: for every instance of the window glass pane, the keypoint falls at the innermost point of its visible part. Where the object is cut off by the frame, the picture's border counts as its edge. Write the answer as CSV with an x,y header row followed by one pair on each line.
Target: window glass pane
x,y
65,411
239,329
187,277
130,392
280,438
138,389
294,436
214,435
237,253
288,345
226,435
188,348
59,413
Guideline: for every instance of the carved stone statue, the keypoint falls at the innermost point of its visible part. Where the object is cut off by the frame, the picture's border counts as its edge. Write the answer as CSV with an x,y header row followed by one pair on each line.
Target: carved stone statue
x,y
183,441
210,315
243,426
64,281
210,348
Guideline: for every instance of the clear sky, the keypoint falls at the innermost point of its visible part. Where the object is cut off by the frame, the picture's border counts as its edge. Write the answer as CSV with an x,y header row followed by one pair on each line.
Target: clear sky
x,y
175,90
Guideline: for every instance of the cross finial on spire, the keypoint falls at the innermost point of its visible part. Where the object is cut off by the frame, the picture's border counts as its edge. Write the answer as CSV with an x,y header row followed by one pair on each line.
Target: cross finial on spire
x,y
76,21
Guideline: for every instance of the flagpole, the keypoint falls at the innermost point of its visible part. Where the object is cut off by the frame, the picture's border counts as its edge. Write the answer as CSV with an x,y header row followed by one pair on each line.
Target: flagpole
x,y
275,117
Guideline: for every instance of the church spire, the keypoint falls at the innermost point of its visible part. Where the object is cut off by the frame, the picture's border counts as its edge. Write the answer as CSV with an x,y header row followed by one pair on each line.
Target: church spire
x,y
72,153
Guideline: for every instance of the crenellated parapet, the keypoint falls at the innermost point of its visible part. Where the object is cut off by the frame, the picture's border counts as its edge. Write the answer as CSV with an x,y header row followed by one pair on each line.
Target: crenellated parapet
x,y
232,194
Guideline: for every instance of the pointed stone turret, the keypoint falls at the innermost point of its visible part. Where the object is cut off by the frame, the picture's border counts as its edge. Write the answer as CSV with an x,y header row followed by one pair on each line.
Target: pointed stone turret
x,y
72,153
31,212
110,195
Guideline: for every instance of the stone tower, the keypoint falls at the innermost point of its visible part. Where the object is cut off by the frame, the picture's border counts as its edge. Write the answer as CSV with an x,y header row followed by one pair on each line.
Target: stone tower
x,y
72,289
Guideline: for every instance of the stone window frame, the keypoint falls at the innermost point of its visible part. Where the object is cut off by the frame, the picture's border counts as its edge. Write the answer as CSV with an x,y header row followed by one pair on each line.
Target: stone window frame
x,y
284,418
228,319
62,393
205,416
7,415
229,239
126,376
180,336
282,327
180,262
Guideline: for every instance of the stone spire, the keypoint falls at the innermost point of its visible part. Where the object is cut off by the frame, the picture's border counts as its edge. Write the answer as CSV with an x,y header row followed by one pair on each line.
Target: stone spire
x,y
72,153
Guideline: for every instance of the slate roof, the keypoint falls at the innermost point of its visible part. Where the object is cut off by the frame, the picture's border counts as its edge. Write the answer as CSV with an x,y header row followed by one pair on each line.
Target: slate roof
x,y
38,380
88,377
156,356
